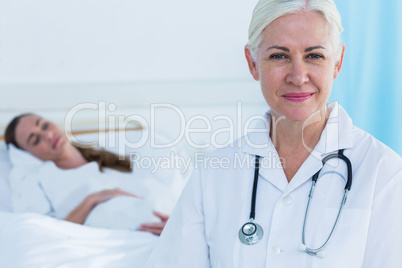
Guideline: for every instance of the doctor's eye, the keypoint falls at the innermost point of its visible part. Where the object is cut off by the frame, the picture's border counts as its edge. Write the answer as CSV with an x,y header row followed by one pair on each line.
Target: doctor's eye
x,y
278,56
315,56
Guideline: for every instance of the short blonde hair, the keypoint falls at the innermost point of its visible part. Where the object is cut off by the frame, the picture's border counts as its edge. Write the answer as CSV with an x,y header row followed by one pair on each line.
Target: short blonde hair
x,y
266,11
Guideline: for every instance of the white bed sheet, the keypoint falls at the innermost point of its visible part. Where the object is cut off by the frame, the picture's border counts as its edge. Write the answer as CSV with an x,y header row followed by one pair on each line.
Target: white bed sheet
x,y
33,240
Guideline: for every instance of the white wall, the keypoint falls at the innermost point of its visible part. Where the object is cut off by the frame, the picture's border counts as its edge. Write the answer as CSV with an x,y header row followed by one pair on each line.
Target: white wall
x,y
75,41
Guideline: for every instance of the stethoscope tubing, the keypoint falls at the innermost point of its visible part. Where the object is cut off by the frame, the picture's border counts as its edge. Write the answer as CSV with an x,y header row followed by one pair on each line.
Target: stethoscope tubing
x,y
255,184
255,236
348,185
315,250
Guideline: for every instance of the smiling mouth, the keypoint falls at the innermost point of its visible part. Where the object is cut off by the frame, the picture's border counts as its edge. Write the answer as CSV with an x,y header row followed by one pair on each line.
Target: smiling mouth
x,y
55,142
297,97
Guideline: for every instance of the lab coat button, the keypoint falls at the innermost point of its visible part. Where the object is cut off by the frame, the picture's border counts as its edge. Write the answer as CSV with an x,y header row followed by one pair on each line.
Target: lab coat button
x,y
287,200
275,251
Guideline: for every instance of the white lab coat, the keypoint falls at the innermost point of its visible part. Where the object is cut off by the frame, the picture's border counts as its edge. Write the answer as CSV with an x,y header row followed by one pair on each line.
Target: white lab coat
x,y
203,229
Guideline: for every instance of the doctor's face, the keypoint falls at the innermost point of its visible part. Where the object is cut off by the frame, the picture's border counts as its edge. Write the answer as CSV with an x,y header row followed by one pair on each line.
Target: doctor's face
x,y
41,138
296,64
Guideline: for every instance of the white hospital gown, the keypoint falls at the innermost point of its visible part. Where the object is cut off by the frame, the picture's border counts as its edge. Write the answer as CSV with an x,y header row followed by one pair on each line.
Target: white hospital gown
x,y
55,192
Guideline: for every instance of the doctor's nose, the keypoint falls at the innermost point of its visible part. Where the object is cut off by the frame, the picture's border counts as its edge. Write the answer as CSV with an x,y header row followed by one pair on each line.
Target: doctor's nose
x,y
298,74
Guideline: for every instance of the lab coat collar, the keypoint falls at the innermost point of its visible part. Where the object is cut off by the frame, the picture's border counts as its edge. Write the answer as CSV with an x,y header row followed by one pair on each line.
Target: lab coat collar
x,y
337,134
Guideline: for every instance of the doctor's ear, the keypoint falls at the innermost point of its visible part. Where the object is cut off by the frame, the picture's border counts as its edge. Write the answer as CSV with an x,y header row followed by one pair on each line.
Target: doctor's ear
x,y
251,64
338,64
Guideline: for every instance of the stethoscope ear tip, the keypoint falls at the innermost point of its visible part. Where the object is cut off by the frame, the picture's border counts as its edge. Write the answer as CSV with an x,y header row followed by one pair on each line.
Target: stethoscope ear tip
x,y
321,254
302,247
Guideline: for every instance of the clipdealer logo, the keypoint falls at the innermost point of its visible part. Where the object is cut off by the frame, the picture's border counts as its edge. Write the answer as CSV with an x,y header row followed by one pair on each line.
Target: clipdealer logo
x,y
230,127
109,119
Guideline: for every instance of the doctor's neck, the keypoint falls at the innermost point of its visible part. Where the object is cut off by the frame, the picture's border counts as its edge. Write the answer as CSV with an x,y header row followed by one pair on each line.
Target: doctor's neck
x,y
293,140
290,135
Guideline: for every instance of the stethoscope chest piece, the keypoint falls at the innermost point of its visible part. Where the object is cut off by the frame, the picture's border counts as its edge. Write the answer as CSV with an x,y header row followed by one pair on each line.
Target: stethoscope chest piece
x,y
250,233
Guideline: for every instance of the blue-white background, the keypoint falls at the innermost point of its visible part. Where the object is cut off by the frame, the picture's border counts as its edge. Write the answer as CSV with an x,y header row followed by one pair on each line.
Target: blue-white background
x,y
370,84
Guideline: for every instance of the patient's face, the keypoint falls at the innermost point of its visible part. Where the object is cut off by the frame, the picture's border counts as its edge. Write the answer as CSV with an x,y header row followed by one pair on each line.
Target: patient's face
x,y
41,138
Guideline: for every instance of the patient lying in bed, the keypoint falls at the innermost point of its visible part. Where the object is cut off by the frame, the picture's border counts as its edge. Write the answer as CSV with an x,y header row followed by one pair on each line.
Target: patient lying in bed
x,y
64,181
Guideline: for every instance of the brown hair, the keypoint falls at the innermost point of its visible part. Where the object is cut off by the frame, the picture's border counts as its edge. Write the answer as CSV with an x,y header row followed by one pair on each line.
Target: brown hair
x,y
101,156
105,159
9,135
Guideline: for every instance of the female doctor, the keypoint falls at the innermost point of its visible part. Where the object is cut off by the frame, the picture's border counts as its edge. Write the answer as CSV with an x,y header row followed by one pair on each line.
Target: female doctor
x,y
334,199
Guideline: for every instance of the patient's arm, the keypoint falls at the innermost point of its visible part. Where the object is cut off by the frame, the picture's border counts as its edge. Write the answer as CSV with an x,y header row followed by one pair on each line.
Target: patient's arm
x,y
81,212
155,227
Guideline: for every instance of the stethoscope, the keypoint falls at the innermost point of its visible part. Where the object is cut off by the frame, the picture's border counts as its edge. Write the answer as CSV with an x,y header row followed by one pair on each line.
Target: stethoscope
x,y
251,232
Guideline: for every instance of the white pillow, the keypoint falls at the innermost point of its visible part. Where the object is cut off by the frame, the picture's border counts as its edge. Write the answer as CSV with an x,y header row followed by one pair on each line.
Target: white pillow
x,y
23,160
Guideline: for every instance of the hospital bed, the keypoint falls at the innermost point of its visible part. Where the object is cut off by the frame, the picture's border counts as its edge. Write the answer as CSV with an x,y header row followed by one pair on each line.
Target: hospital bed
x,y
162,114
34,240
